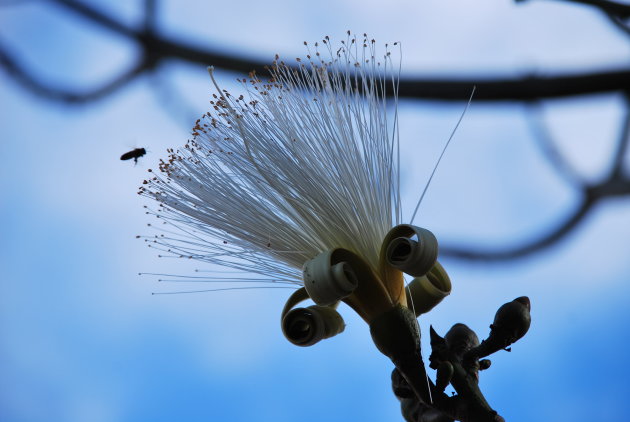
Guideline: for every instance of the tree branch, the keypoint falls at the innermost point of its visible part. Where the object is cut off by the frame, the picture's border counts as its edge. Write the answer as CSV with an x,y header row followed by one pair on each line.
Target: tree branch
x,y
544,139
37,87
445,89
619,23
615,186
156,48
614,8
508,253
617,170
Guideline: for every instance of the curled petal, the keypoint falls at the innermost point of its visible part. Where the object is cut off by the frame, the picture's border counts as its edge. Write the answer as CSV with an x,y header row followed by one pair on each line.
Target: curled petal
x,y
412,257
427,291
307,326
328,280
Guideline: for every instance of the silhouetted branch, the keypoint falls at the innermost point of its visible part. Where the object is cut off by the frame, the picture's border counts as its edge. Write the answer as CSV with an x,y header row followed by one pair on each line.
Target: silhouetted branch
x,y
524,248
37,87
611,7
543,137
172,100
617,170
616,12
517,89
162,47
156,48
616,184
456,89
619,23
97,17
610,188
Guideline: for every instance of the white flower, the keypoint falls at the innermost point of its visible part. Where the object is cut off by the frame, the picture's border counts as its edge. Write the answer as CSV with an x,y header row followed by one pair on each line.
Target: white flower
x,y
297,165
302,172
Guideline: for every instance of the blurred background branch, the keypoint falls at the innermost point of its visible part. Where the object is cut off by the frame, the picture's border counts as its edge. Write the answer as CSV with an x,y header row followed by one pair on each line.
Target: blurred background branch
x,y
617,183
609,7
155,49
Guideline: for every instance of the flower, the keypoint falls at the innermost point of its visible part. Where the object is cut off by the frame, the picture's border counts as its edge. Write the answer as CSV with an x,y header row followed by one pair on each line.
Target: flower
x,y
300,164
297,181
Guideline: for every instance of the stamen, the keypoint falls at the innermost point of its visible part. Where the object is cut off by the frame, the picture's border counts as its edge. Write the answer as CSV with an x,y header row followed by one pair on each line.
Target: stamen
x,y
223,290
298,164
413,216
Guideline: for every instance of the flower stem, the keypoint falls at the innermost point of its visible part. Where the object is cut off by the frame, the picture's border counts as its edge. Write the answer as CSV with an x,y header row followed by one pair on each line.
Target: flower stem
x,y
396,334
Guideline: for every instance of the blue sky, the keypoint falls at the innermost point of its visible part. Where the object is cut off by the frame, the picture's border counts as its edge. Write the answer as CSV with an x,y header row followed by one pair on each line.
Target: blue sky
x,y
83,339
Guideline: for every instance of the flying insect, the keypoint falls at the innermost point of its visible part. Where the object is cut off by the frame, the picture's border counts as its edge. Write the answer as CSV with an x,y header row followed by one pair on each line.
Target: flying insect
x,y
135,154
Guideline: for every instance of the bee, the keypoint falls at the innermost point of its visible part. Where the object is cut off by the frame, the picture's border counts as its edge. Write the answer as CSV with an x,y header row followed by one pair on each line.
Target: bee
x,y
135,154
